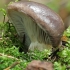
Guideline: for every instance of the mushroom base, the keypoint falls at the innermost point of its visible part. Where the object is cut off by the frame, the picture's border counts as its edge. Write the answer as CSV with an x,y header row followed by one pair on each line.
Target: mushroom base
x,y
39,46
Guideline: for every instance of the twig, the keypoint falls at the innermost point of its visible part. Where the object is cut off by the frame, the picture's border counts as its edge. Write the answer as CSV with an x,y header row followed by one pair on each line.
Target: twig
x,y
0,38
1,54
68,67
12,66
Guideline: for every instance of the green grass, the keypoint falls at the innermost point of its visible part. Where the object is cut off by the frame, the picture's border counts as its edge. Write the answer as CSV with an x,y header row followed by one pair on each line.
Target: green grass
x,y
9,50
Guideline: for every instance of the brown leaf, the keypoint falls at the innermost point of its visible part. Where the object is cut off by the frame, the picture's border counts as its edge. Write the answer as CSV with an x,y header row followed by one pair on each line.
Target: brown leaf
x,y
39,65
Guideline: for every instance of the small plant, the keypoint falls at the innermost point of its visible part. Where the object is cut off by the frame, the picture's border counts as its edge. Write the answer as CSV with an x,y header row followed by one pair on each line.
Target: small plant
x,y
37,55
67,32
59,66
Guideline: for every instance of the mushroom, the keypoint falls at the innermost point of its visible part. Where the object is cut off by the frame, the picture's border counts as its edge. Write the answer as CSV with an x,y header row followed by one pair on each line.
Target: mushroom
x,y
39,26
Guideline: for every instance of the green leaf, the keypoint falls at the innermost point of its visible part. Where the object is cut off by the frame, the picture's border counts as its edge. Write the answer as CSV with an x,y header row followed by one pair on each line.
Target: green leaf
x,y
3,11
